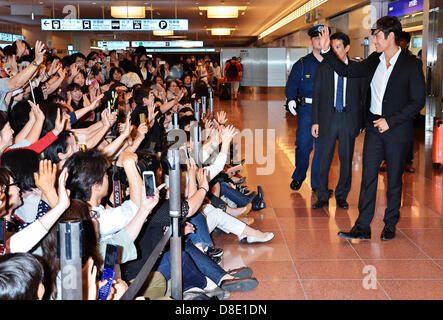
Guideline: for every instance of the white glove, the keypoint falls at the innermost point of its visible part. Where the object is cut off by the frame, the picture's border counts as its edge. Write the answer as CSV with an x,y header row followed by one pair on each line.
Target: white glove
x,y
291,107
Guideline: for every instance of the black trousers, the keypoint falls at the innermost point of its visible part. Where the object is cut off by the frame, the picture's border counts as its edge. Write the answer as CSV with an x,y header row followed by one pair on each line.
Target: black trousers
x,y
326,146
393,146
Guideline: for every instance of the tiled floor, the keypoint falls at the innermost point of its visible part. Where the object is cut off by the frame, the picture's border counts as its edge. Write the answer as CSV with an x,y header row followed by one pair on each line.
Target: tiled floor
x,y
306,259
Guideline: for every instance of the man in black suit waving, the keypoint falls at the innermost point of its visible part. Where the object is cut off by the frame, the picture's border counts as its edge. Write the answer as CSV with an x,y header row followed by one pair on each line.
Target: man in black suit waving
x,y
395,93
337,114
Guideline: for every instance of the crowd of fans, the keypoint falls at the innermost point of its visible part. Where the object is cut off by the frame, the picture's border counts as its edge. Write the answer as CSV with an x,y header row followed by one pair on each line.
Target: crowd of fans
x,y
62,145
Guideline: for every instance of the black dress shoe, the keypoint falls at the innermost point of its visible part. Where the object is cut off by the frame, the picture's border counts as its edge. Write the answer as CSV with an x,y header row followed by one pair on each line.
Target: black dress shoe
x,y
388,233
258,204
251,195
342,204
355,233
260,194
320,204
296,185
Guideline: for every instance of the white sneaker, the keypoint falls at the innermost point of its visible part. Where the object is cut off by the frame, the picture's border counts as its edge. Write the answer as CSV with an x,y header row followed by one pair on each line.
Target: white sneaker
x,y
251,239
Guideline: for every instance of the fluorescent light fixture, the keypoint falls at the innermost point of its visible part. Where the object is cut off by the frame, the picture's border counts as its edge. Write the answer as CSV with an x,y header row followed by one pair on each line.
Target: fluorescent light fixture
x,y
413,29
129,12
176,37
162,33
301,11
219,12
182,50
221,31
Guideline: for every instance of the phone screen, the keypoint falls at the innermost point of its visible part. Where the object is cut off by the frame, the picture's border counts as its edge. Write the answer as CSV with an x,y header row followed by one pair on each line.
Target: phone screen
x,y
149,182
2,232
111,253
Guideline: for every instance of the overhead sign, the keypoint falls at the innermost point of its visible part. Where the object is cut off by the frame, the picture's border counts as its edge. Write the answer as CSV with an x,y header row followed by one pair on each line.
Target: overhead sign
x,y
113,24
113,45
167,44
10,37
402,7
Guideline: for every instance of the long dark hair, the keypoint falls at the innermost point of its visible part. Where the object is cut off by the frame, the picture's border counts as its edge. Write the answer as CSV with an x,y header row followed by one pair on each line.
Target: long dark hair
x,y
77,210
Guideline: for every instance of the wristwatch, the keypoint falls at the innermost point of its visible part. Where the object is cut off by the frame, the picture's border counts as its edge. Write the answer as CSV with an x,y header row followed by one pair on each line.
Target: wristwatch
x,y
35,63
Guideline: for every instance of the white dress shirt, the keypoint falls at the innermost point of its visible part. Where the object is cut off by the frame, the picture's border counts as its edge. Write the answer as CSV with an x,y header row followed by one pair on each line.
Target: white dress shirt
x,y
112,220
345,80
380,81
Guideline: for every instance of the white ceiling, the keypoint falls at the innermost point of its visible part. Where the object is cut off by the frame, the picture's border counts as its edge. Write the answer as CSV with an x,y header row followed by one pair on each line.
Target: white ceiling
x,y
258,15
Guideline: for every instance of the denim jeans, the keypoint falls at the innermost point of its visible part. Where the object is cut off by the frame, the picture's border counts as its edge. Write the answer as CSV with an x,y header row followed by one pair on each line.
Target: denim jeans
x,y
192,277
205,264
234,195
201,234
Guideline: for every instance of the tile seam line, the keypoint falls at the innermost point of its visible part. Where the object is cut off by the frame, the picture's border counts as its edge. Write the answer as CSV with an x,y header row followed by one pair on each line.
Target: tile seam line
x,y
364,264
421,250
290,255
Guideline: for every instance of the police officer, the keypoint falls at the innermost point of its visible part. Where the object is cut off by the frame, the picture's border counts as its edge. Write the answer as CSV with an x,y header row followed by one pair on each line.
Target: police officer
x,y
299,90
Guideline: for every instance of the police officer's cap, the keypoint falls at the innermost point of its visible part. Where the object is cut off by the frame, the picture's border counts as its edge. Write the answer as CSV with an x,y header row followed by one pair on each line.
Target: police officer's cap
x,y
315,30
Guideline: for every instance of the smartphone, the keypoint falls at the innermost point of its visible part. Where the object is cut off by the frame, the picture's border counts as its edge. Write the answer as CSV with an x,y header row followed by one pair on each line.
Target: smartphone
x,y
2,236
108,271
32,91
162,62
142,118
149,183
108,58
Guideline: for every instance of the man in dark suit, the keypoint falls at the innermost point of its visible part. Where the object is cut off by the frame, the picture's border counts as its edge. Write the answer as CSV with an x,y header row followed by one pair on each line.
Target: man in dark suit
x,y
337,114
395,93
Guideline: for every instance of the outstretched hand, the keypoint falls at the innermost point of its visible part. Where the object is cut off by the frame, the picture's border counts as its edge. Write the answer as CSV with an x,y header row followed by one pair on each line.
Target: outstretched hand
x,y
63,193
46,176
60,122
325,40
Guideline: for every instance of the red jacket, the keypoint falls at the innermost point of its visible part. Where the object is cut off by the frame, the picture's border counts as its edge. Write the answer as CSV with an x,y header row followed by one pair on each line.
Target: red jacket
x,y
38,146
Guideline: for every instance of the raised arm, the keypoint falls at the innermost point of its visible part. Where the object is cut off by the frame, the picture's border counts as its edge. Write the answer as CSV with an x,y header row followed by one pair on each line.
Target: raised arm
x,y
354,70
23,76
128,160
27,238
133,228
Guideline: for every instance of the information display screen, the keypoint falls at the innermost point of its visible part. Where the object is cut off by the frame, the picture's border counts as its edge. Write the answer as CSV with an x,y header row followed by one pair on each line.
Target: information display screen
x,y
10,37
113,45
167,44
113,24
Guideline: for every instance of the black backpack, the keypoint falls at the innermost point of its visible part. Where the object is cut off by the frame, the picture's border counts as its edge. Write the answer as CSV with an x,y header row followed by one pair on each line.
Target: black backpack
x,y
232,70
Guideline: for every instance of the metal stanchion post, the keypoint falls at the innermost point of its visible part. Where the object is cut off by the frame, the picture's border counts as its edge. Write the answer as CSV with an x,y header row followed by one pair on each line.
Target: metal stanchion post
x,y
70,252
196,136
197,111
203,106
211,103
175,214
175,121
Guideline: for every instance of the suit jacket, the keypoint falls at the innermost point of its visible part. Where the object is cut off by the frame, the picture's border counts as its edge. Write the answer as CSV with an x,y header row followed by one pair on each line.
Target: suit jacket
x,y
323,101
405,93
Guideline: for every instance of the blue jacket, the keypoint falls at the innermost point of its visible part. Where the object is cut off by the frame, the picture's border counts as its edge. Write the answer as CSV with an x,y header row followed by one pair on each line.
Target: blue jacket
x,y
301,78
